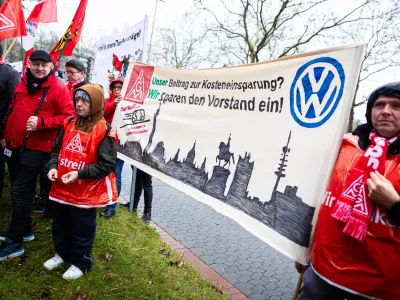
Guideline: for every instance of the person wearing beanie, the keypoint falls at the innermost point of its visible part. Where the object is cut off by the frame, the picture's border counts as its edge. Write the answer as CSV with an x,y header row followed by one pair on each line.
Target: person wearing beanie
x,y
76,72
81,170
8,81
355,252
25,164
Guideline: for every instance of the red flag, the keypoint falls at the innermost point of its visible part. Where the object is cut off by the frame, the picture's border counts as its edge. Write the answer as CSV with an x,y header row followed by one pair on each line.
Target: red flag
x,y
75,29
12,22
117,63
45,11
25,65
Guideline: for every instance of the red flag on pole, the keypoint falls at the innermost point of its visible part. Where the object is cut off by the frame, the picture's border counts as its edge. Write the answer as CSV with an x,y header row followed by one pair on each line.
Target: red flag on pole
x,y
75,29
117,63
45,11
12,22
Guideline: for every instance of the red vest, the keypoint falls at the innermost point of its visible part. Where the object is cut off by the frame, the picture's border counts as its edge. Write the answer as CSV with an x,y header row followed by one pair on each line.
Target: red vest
x,y
79,149
372,267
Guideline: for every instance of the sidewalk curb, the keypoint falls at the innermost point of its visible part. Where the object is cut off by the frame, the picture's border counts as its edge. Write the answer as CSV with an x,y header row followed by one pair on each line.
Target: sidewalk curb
x,y
206,271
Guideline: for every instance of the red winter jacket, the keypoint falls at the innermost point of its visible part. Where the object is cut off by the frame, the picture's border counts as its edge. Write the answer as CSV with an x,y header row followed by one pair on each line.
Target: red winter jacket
x,y
109,108
56,107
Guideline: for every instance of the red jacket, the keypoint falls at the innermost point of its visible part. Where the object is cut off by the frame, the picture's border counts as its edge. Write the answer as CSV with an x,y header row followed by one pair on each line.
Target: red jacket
x,y
370,268
109,108
56,107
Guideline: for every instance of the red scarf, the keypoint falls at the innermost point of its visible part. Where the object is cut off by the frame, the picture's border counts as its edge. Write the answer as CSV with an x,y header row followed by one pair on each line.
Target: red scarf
x,y
354,207
2,61
71,86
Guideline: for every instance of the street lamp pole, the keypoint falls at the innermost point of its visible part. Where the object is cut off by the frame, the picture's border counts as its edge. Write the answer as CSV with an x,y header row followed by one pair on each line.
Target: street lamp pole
x,y
152,29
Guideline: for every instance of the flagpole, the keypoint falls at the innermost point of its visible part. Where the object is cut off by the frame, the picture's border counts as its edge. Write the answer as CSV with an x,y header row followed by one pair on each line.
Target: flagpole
x,y
9,48
22,50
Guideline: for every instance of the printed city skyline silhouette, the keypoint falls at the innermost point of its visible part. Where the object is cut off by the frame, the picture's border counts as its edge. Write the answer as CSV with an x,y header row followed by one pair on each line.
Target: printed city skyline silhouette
x,y
285,212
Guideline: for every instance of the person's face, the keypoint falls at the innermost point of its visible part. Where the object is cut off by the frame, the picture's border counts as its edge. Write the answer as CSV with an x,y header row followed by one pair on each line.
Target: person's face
x,y
74,75
116,88
82,107
40,69
385,116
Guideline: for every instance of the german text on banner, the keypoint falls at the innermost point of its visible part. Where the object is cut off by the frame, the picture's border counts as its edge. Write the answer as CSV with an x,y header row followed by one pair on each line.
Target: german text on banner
x,y
255,142
115,53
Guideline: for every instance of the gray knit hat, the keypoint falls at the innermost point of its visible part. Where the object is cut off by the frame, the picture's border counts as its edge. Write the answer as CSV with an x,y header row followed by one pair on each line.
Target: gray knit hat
x,y
76,64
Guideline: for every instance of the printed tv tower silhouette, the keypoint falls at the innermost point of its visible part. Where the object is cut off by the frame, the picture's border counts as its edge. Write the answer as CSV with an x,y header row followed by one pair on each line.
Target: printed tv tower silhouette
x,y
281,169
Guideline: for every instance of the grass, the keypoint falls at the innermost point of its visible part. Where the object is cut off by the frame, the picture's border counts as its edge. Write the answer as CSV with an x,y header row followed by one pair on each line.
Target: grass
x,y
128,265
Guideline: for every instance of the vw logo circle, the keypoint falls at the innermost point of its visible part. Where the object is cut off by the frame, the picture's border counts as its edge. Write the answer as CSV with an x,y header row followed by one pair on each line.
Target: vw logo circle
x,y
316,91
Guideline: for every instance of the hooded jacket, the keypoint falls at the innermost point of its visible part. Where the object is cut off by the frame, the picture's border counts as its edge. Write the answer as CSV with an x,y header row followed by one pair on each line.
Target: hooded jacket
x,y
86,145
56,107
110,107
96,95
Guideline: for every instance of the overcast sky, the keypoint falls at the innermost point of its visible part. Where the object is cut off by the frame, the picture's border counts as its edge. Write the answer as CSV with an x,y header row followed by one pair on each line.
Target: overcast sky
x,y
105,16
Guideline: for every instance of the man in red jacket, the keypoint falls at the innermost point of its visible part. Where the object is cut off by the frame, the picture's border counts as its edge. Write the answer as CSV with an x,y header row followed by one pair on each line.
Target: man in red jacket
x,y
355,253
25,164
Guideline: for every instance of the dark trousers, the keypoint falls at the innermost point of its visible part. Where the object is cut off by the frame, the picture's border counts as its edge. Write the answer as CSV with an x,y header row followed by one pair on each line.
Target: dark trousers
x,y
2,170
45,185
24,168
315,288
74,230
143,182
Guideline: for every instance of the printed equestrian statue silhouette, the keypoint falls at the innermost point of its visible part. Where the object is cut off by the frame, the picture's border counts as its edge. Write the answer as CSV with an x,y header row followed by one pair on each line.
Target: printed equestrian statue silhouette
x,y
225,154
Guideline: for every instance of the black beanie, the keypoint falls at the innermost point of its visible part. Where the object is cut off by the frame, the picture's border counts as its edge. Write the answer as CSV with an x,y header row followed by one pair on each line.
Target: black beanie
x,y
76,64
390,90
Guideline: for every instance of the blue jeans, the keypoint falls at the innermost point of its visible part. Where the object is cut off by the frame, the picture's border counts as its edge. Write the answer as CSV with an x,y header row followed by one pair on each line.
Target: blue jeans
x,y
119,164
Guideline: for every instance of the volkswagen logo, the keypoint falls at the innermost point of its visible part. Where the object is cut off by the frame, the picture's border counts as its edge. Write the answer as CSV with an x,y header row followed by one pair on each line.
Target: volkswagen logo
x,y
316,91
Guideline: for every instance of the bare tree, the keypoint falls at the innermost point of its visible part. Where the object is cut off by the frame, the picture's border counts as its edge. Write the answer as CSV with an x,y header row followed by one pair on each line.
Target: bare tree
x,y
381,36
180,47
265,29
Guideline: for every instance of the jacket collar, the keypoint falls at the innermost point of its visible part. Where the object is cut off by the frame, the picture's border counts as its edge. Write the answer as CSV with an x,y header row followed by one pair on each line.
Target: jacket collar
x,y
47,83
363,132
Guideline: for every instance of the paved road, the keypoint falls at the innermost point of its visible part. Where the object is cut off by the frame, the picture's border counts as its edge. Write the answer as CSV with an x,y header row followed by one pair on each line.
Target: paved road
x,y
257,270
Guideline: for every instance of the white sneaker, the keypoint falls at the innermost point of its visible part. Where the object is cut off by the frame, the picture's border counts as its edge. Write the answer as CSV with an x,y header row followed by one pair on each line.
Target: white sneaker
x,y
72,273
53,262
122,201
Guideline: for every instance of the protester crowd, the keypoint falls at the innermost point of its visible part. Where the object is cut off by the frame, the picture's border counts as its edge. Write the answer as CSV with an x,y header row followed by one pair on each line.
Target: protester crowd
x,y
67,140
60,134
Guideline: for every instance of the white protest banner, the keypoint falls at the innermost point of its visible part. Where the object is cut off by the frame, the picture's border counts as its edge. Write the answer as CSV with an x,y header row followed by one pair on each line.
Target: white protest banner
x,y
28,40
17,65
256,142
115,53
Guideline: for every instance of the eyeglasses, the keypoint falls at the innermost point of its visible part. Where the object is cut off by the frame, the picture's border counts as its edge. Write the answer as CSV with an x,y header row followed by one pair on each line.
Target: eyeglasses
x,y
118,87
71,72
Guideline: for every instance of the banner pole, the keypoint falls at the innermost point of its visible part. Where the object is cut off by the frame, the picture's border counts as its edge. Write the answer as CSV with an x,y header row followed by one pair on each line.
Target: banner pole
x,y
133,185
9,48
298,286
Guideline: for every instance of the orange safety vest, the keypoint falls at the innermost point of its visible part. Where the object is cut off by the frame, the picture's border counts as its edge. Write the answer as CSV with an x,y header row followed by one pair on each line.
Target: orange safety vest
x,y
370,268
78,150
